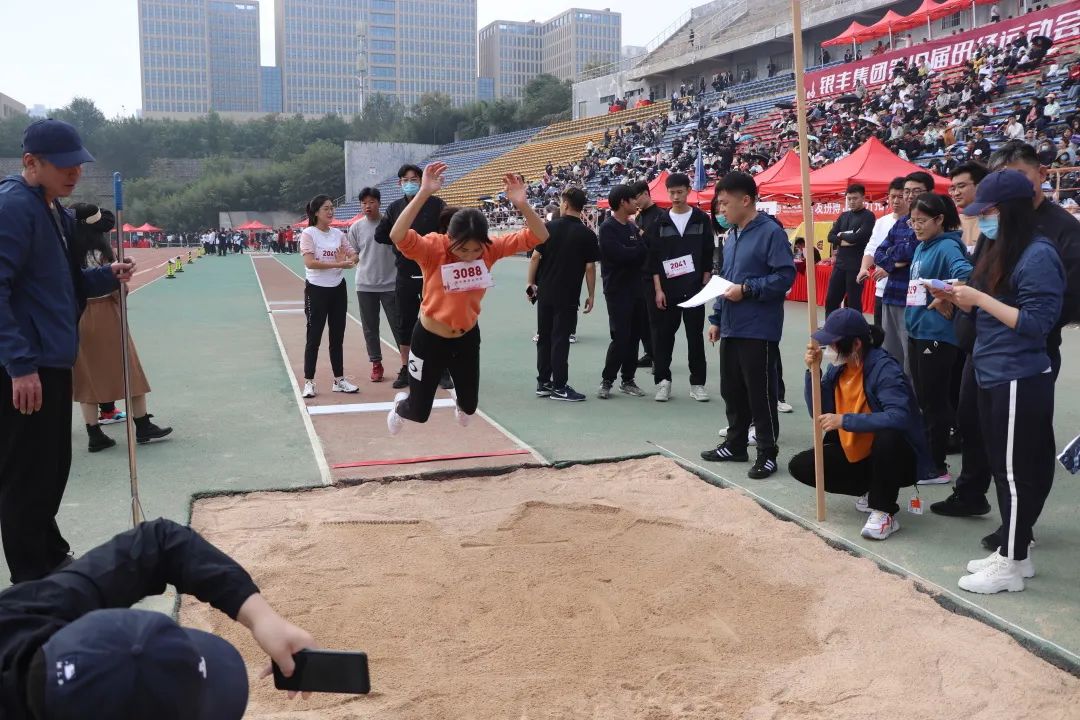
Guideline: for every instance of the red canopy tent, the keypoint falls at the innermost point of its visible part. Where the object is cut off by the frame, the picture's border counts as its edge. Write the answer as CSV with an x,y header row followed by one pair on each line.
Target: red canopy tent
x,y
855,33
930,10
353,220
786,168
873,166
253,225
892,21
302,223
340,223
658,193
146,227
128,227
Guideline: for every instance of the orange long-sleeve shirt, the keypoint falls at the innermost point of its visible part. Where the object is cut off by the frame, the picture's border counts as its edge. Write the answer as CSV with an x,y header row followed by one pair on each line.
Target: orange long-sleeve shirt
x,y
458,310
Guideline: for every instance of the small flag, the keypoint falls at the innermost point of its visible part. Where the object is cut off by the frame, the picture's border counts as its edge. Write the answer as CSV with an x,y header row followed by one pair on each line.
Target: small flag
x,y
699,172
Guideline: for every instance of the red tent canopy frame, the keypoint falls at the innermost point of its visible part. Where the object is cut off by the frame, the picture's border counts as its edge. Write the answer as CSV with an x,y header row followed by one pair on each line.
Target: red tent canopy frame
x,y
892,21
146,227
786,168
855,33
872,165
253,225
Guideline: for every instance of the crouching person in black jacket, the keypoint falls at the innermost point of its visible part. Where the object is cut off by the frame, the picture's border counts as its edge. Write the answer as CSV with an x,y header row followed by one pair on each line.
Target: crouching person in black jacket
x,y
72,647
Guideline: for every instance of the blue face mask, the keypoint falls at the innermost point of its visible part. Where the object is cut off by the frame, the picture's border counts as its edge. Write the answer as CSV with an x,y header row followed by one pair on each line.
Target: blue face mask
x,y
410,188
988,226
722,221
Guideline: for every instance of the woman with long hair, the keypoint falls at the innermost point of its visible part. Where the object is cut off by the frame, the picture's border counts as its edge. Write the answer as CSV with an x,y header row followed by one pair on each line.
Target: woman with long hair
x,y
98,375
1015,296
327,254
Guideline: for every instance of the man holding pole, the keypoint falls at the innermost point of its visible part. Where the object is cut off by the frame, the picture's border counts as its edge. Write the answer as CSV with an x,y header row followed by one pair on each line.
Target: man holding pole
x,y
748,322
42,293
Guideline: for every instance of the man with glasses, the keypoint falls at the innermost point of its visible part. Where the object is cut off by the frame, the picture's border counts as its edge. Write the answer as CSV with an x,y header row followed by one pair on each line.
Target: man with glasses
x,y
965,178
894,257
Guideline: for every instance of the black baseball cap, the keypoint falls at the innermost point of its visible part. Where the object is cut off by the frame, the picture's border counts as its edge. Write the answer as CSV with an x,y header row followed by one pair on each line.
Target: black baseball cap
x,y
56,141
842,323
1000,186
123,663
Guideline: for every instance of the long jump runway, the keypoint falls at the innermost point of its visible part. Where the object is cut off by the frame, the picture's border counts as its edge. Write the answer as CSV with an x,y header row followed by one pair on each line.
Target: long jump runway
x,y
349,432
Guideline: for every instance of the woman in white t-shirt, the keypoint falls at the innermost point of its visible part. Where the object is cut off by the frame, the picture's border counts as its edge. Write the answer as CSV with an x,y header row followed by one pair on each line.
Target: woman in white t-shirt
x,y
326,254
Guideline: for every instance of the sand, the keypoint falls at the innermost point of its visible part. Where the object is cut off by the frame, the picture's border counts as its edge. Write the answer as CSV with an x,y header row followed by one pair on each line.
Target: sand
x,y
626,590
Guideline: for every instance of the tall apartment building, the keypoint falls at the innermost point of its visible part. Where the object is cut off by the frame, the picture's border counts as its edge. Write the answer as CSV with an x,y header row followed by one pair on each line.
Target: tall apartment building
x,y
174,57
333,52
513,53
10,107
269,89
233,44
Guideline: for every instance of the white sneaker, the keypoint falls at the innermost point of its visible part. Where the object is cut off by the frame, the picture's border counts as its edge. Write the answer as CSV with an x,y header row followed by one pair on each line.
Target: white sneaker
x,y
999,573
343,385
751,440
663,391
395,422
463,418
880,525
309,389
1027,568
536,337
573,339
784,407
699,393
863,503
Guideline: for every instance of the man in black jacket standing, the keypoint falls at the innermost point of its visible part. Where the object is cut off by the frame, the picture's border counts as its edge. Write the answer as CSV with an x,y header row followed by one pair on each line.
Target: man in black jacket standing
x,y
849,236
409,286
680,258
648,213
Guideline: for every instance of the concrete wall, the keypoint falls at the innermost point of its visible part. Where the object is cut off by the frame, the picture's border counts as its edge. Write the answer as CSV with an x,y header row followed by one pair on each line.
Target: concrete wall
x,y
588,93
369,163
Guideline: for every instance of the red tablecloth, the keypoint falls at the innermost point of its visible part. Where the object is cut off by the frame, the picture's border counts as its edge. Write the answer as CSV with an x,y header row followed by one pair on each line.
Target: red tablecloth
x,y
798,290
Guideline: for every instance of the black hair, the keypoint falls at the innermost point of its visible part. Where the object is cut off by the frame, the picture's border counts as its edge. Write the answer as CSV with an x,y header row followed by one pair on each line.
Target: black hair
x,y
737,182
713,212
313,206
976,170
855,188
872,339
407,168
1016,230
936,205
639,187
467,224
677,180
618,195
92,238
923,178
1014,151
575,198
896,184
444,219
799,240
370,192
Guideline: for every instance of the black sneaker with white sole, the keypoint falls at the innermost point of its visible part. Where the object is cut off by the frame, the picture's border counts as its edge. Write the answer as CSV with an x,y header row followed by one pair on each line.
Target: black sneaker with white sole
x,y
567,394
544,389
402,379
723,453
958,506
763,467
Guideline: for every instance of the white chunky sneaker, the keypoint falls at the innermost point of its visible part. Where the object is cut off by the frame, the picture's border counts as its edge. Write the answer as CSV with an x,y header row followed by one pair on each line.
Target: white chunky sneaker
x,y
699,393
344,386
463,419
1027,568
663,391
395,422
784,407
880,525
309,389
751,438
863,503
999,573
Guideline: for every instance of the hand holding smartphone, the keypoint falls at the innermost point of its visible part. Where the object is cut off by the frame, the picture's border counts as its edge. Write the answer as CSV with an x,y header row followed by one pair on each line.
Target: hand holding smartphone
x,y
330,671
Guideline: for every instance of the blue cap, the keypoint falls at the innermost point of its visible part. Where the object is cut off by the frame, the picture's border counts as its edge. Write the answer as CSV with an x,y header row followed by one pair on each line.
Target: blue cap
x,y
123,663
56,141
998,187
842,323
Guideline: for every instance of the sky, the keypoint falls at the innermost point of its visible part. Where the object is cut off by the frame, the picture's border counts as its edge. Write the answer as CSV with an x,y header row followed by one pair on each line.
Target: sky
x,y
91,48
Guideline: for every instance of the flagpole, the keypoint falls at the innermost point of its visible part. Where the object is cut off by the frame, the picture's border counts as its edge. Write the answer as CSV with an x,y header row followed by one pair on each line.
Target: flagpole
x,y
811,266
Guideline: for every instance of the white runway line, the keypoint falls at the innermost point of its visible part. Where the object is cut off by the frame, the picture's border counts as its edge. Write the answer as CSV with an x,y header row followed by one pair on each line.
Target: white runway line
x,y
367,407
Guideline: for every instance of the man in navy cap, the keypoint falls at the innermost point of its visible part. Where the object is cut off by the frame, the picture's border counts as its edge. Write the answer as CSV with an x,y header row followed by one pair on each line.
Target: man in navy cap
x,y
42,293
71,647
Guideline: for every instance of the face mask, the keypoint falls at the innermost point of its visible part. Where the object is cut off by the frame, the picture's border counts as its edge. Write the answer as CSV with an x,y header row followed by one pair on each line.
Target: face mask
x,y
829,355
722,221
411,188
988,226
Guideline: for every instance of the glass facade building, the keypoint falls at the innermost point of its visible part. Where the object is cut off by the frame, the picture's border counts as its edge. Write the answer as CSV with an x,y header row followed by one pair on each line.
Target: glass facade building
x,y
510,54
174,57
233,40
269,89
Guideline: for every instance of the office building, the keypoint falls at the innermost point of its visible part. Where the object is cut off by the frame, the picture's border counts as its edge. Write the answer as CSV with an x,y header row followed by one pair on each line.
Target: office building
x,y
10,107
333,52
174,57
513,53
233,41
269,89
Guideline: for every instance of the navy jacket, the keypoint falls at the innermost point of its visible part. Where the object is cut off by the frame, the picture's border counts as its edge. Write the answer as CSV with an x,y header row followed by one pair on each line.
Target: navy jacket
x,y
43,289
1037,287
758,255
892,404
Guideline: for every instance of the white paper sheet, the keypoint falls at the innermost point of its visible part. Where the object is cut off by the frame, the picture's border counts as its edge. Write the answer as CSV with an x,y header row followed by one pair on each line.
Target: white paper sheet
x,y
716,287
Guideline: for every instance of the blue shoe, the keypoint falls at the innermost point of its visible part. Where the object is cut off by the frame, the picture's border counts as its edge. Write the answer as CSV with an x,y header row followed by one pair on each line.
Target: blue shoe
x,y
567,394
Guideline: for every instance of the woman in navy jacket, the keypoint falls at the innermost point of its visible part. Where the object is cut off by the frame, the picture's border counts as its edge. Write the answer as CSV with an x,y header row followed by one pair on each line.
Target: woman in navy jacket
x,y
1016,298
875,442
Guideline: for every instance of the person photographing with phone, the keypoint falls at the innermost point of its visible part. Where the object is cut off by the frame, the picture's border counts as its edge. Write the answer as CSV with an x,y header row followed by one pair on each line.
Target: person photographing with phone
x,y
456,269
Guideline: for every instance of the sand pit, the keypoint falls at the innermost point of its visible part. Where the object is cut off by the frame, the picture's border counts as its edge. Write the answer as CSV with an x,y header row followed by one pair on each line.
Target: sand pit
x,y
629,590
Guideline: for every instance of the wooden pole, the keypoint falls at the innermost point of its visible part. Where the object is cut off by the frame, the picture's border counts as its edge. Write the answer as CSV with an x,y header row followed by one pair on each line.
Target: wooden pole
x,y
811,268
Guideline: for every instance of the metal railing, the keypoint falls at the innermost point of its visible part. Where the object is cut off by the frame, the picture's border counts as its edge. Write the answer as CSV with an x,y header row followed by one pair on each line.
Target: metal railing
x,y
628,63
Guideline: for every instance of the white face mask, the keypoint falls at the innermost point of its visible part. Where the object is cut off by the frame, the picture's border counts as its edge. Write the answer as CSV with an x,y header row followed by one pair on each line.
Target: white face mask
x,y
828,354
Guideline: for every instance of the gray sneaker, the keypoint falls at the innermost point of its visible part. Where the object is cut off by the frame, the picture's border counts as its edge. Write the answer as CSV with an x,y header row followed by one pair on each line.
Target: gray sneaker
x,y
663,391
631,388
605,390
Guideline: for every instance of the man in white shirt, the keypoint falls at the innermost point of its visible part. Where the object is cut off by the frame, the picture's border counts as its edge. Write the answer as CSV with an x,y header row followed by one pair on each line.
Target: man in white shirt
x,y
376,278
884,223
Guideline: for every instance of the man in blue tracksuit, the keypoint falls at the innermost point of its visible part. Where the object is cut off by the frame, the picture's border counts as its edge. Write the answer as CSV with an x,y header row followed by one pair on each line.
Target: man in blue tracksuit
x,y
749,320
42,293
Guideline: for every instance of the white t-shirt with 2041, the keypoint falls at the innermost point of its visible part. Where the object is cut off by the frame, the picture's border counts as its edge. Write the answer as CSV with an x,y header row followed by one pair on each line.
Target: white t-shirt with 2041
x,y
324,246
681,220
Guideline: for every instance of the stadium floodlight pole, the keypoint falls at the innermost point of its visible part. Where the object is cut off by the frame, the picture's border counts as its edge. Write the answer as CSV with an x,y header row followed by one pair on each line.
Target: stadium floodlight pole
x,y
811,266
133,471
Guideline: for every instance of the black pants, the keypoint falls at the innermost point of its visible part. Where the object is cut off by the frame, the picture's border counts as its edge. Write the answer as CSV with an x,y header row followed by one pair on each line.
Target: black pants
x,y
325,306
975,476
429,357
891,466
843,284
1053,349
1018,427
35,457
369,303
648,294
625,321
748,386
409,291
877,310
781,389
931,374
665,325
222,249
555,324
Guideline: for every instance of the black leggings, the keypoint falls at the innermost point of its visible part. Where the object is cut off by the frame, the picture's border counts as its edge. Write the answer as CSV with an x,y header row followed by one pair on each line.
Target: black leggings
x,y
429,357
931,374
325,306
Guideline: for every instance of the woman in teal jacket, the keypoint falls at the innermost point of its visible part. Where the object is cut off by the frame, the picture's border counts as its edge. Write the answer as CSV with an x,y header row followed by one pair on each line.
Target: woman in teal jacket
x,y
932,344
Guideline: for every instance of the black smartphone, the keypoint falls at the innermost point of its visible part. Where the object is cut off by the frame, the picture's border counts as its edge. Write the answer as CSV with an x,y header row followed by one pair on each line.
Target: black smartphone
x,y
331,671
